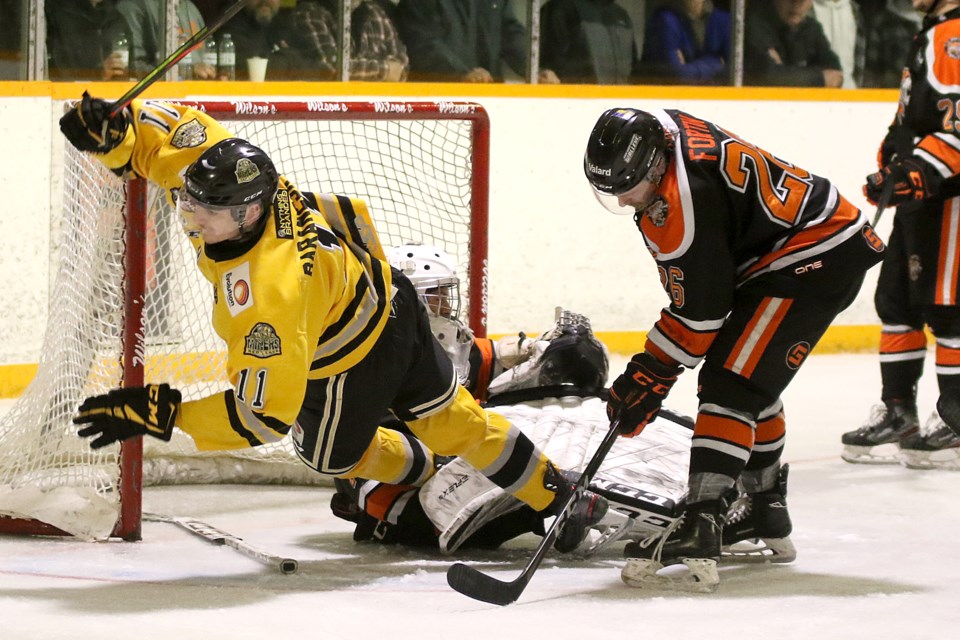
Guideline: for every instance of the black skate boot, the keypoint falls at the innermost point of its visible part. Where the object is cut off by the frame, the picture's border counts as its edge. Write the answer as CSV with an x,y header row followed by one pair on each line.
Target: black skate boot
x,y
877,441
694,540
935,446
761,522
585,512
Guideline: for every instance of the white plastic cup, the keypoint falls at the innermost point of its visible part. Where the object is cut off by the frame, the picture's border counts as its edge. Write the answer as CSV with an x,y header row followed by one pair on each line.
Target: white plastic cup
x,y
257,68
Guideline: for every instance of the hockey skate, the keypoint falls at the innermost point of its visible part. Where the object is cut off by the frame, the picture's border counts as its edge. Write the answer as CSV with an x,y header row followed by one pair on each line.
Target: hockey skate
x,y
693,540
586,512
936,446
758,526
877,441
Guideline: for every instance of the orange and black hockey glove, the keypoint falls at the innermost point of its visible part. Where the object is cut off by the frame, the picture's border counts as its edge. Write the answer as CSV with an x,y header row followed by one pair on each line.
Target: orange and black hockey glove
x,y
89,127
637,394
125,413
905,180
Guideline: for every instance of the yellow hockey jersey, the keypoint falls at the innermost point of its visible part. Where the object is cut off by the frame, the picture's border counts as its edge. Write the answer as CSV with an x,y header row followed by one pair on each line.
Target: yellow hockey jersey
x,y
307,301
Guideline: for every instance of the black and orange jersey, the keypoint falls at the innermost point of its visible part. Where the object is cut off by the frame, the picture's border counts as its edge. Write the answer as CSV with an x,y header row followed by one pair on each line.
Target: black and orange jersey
x,y
727,212
928,115
305,301
483,367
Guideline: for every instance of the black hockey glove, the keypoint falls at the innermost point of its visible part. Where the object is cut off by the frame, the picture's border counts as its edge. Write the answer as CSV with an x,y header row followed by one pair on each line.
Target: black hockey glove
x,y
125,413
906,180
636,395
84,126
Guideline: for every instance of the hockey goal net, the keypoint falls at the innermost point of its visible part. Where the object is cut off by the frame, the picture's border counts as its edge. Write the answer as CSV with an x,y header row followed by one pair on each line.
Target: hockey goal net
x,y
130,306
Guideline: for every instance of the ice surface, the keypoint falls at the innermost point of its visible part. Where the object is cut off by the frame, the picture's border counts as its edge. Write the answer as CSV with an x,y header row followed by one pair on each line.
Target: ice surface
x,y
876,560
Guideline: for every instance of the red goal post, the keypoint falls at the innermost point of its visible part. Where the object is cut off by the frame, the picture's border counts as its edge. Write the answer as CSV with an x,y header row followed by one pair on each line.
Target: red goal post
x,y
131,306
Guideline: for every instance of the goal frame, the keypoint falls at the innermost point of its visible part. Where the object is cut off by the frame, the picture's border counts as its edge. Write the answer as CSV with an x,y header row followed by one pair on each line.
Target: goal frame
x,y
130,484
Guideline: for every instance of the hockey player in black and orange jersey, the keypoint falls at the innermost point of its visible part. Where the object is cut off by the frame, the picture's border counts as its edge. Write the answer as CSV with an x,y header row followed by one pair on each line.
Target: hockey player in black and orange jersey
x,y
323,337
919,174
757,257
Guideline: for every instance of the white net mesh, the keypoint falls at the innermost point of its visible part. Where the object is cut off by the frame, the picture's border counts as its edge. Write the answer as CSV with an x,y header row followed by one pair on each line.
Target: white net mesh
x,y
416,175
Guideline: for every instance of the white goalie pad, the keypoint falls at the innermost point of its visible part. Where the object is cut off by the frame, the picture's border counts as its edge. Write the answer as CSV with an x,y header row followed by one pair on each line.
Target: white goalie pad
x,y
643,478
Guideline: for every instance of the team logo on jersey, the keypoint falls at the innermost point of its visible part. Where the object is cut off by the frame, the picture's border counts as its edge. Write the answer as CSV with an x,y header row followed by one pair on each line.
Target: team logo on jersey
x,y
952,47
262,341
246,171
797,354
237,291
282,215
873,240
914,268
189,134
657,212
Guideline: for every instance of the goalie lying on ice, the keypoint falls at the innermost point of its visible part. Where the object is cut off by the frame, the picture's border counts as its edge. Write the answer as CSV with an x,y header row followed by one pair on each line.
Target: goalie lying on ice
x,y
551,390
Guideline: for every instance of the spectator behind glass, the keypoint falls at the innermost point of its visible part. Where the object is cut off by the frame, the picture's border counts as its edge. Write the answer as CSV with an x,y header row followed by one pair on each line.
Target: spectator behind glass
x,y
463,40
145,21
688,41
263,29
376,52
890,31
80,35
588,42
11,53
842,23
785,46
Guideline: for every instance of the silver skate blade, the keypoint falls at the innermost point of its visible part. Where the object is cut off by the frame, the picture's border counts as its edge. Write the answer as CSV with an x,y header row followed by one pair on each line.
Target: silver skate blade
x,y
696,575
877,454
773,550
948,459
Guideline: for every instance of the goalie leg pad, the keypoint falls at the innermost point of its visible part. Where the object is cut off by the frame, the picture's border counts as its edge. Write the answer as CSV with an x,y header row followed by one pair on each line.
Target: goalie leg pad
x,y
701,575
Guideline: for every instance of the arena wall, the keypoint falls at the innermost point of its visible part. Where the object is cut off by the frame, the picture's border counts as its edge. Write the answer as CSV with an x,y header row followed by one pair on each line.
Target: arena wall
x,y
550,242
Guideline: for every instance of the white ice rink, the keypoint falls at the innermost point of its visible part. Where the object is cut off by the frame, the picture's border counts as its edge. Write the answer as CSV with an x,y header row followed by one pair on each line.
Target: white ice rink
x,y
876,560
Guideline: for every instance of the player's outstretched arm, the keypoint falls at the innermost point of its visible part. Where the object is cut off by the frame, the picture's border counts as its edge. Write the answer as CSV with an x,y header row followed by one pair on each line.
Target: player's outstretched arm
x,y
89,127
125,413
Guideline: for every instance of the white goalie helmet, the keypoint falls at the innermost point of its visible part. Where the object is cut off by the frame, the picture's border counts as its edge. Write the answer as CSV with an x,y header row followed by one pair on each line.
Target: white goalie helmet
x,y
434,275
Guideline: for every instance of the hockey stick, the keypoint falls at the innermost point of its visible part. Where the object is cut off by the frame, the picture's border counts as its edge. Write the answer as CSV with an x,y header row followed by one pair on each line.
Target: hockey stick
x,y
948,406
885,196
479,586
182,52
218,537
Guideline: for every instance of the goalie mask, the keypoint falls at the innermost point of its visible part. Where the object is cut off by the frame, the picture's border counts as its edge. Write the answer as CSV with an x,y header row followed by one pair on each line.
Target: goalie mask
x,y
574,355
227,192
434,275
626,152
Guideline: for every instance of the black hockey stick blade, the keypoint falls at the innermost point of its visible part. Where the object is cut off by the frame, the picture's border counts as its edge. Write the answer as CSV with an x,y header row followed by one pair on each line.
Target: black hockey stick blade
x,y
948,406
182,52
885,196
480,586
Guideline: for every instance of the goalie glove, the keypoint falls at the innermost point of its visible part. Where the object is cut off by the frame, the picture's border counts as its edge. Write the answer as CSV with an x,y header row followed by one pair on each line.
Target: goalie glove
x,y
88,127
905,180
636,395
125,413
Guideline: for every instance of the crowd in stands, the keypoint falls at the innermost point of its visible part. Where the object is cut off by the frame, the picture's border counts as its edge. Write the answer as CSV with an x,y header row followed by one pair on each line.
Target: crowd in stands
x,y
815,43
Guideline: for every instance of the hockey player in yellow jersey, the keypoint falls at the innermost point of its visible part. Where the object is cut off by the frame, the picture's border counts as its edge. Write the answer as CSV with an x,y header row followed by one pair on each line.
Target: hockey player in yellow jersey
x,y
323,337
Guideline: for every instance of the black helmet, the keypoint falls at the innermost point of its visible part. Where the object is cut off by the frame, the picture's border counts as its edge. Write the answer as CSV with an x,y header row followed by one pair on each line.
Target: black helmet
x,y
232,172
574,357
623,146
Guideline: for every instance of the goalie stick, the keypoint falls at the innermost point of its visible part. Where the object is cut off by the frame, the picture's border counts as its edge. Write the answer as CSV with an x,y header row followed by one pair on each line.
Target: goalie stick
x,y
182,52
218,537
480,586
